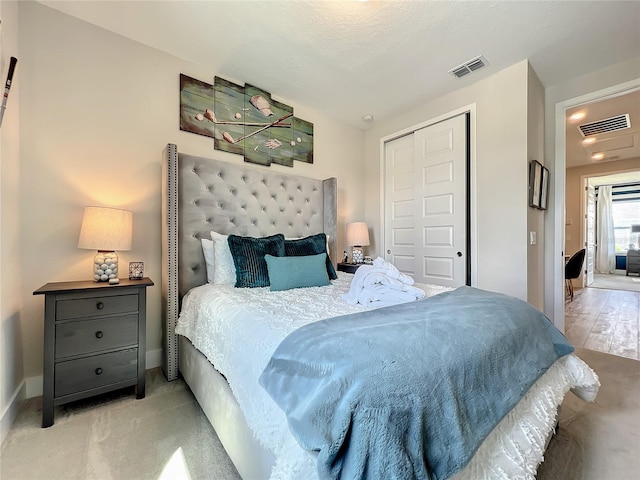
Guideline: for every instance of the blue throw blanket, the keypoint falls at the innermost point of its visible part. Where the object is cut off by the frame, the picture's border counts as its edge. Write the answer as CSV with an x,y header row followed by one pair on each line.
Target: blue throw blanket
x,y
410,391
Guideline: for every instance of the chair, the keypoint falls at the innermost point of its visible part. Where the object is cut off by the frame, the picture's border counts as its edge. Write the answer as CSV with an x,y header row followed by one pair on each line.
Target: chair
x,y
572,269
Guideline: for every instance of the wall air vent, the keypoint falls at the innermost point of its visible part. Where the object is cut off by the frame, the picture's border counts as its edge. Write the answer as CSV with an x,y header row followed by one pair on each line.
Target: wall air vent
x,y
613,124
470,66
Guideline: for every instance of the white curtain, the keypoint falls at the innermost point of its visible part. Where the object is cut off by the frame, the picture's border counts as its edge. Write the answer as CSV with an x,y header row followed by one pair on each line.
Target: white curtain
x,y
605,241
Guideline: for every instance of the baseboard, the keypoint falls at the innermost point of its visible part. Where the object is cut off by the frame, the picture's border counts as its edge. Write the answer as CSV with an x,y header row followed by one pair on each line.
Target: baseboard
x,y
154,358
34,384
10,413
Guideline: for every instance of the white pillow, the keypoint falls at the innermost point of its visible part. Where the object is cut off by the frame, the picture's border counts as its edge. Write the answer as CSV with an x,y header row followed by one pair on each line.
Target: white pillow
x,y
225,270
207,249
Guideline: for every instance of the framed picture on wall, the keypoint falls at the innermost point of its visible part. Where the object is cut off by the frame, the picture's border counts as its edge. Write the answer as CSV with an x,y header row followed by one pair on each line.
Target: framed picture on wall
x,y
535,182
544,188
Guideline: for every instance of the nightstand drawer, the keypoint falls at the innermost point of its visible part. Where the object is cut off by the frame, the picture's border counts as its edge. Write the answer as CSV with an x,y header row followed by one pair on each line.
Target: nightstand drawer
x,y
93,306
92,372
87,336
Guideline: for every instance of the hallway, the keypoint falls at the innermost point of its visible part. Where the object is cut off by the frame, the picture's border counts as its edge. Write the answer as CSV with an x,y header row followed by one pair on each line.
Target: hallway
x,y
604,320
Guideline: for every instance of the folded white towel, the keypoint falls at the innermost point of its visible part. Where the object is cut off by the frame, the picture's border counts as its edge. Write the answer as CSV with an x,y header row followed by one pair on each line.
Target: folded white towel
x,y
381,285
374,279
382,296
392,271
357,284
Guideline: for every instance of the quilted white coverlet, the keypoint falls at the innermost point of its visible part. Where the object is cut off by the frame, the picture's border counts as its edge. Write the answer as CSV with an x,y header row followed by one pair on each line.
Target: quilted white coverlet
x,y
239,329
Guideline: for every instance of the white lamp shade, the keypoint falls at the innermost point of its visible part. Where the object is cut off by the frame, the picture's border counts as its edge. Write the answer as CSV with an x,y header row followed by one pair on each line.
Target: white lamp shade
x,y
357,234
106,229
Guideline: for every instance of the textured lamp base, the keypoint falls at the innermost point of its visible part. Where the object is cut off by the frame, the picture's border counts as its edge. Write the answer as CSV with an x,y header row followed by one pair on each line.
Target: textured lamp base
x,y
105,266
357,255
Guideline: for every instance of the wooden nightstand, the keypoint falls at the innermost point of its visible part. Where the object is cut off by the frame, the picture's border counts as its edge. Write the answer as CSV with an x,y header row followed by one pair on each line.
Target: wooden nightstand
x,y
94,340
633,261
349,267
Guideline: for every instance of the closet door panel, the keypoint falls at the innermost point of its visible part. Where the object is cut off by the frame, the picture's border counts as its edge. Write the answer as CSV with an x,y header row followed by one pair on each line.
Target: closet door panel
x,y
440,191
399,228
425,188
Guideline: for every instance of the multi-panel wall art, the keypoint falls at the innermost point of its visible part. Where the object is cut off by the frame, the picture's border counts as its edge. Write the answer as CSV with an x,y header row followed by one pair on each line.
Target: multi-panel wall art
x,y
245,120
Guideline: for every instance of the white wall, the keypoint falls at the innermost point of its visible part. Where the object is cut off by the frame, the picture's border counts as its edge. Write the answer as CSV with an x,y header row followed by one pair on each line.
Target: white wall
x,y
97,110
501,159
11,365
535,217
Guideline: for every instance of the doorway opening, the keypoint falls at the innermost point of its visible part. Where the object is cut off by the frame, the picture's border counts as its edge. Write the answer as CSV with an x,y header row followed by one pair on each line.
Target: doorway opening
x,y
602,205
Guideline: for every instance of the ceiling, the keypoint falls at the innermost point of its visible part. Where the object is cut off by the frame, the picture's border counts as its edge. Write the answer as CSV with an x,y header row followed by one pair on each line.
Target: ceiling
x,y
617,145
349,58
616,178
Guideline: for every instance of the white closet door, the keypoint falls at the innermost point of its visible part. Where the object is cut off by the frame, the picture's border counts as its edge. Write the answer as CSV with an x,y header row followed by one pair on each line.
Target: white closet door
x,y
441,203
399,230
425,203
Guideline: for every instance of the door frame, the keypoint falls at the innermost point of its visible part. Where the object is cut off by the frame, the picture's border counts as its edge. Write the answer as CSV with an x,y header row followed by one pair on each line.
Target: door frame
x,y
472,233
555,278
584,204
585,181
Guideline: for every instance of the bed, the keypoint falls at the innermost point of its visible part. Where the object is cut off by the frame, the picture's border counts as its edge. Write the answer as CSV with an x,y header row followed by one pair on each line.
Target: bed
x,y
203,195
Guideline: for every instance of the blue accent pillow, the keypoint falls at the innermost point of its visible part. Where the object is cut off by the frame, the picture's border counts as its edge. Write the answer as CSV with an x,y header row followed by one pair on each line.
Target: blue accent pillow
x,y
311,245
286,273
248,256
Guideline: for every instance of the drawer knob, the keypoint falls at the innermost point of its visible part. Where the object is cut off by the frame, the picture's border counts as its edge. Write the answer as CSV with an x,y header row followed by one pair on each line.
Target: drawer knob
x,y
99,305
98,371
99,334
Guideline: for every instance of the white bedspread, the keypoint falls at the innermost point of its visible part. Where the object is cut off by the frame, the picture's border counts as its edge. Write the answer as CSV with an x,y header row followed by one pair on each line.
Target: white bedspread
x,y
238,330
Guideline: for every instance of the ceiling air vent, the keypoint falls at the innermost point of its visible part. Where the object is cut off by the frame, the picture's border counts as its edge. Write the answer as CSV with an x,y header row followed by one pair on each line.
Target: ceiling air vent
x,y
613,124
470,66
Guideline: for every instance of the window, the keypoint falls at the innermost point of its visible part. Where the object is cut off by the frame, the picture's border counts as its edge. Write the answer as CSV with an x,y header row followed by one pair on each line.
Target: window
x,y
625,213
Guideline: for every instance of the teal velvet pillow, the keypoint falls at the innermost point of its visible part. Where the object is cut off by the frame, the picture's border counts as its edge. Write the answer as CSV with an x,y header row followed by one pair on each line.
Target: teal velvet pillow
x,y
286,273
311,245
248,256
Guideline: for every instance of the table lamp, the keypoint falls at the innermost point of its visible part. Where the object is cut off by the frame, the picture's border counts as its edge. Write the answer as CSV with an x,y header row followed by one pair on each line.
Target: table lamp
x,y
106,230
357,237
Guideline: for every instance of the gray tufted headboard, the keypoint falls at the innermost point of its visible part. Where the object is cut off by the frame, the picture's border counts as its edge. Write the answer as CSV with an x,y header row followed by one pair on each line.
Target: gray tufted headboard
x,y
202,194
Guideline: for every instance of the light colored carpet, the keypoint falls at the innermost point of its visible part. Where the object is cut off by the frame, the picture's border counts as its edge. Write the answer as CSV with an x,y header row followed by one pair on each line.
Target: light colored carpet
x,y
616,282
166,436
599,440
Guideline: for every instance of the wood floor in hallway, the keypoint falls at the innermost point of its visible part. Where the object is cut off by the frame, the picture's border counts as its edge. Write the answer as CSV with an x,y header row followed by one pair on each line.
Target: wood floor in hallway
x,y
604,320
